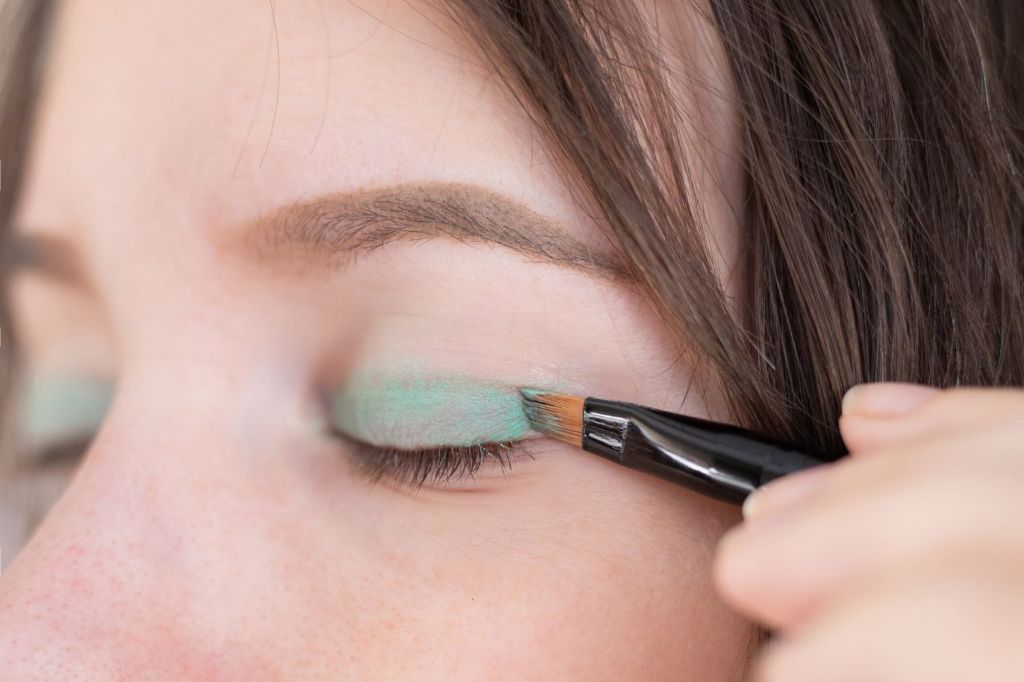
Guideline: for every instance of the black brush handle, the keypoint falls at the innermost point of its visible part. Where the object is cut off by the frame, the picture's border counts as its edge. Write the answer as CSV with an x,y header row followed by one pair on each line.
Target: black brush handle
x,y
719,460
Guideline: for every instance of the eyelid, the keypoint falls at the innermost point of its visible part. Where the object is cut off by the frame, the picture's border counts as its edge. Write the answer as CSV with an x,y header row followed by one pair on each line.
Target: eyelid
x,y
412,410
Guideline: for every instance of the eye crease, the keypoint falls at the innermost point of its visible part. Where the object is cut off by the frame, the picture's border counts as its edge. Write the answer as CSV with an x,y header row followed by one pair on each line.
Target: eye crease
x,y
423,429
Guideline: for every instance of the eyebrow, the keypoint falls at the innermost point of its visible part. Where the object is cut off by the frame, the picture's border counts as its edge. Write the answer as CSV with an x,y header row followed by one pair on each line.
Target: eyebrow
x,y
331,232
335,230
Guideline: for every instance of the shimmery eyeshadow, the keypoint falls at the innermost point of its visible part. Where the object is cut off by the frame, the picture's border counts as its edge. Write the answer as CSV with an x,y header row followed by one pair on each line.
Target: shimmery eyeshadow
x,y
57,407
416,410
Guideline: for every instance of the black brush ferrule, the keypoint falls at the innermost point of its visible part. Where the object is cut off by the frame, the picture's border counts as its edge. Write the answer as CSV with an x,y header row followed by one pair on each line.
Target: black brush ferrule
x,y
720,460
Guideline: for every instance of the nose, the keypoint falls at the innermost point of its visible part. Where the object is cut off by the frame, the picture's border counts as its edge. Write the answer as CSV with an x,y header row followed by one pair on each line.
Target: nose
x,y
151,559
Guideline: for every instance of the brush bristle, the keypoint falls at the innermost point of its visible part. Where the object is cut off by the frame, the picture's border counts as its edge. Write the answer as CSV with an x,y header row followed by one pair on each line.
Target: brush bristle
x,y
554,414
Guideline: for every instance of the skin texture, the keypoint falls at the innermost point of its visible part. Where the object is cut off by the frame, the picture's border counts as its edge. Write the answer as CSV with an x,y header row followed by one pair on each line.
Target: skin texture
x,y
902,562
213,529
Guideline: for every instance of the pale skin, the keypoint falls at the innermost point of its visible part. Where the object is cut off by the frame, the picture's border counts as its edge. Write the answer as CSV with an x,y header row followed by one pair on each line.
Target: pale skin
x,y
213,530
902,562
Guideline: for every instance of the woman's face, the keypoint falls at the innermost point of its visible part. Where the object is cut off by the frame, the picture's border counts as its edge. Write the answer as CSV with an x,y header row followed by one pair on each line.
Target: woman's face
x,y
216,528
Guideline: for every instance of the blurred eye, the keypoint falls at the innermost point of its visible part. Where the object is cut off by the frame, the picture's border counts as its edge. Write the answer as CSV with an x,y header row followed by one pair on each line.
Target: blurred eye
x,y
63,453
59,417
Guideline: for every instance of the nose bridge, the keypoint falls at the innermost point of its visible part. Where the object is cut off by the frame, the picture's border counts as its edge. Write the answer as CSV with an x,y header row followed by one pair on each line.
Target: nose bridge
x,y
178,438
131,503
92,570
153,524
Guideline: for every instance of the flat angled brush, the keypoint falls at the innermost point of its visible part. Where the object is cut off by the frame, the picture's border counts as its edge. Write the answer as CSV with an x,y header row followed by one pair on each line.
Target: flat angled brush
x,y
719,460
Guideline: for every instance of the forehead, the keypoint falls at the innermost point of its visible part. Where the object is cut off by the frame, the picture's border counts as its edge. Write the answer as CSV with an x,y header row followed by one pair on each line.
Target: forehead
x,y
166,121
198,114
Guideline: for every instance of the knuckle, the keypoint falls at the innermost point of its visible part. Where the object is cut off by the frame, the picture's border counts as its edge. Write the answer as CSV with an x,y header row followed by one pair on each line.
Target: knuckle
x,y
949,399
910,466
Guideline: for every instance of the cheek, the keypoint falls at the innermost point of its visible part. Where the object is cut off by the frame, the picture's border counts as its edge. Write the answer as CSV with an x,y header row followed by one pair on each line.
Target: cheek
x,y
575,570
605,583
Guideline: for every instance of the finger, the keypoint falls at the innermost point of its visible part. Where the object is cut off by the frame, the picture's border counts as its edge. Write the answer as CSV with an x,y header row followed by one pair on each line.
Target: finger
x,y
944,412
872,516
949,623
787,491
886,399
866,435
994,450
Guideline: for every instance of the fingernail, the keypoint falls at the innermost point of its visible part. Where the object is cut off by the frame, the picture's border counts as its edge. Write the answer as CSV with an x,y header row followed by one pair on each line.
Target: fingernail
x,y
885,399
784,492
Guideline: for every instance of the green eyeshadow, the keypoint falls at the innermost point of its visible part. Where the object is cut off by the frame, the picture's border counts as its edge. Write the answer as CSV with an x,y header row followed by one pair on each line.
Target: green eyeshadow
x,y
418,411
55,408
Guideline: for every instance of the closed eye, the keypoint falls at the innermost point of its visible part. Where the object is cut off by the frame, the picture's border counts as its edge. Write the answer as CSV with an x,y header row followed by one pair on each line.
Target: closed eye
x,y
66,452
415,468
433,467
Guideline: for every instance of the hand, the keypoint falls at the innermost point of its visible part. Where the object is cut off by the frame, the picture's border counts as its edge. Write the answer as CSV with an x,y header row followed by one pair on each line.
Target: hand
x,y
901,563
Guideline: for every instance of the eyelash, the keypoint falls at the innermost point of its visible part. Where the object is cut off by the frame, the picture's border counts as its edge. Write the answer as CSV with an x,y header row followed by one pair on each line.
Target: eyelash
x,y
433,466
66,452
414,468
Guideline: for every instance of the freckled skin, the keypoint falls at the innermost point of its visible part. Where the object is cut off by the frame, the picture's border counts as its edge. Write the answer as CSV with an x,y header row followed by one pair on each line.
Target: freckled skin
x,y
210,532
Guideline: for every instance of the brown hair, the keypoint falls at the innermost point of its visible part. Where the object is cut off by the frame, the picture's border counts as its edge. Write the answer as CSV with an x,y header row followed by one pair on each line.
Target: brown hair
x,y
881,231
23,31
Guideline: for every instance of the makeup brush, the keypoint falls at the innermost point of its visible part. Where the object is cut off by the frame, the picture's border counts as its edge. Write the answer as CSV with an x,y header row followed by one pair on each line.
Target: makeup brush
x,y
719,460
